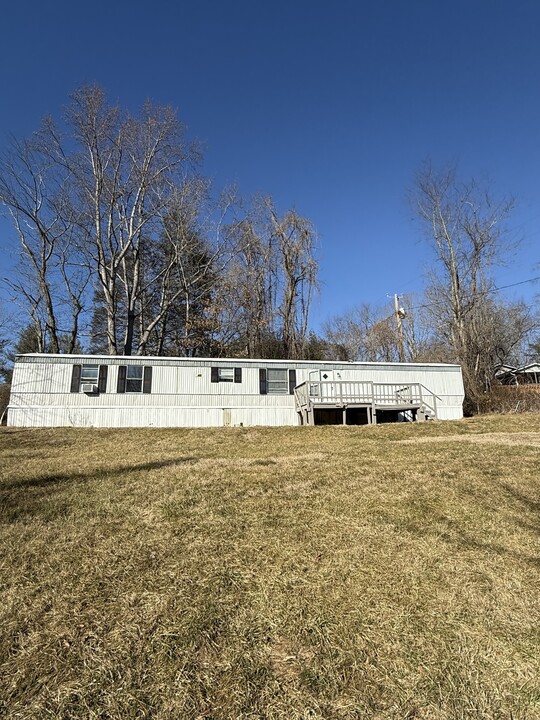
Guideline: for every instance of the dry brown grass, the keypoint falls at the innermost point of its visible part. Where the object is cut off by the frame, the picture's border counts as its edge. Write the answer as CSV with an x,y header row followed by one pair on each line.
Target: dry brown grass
x,y
378,572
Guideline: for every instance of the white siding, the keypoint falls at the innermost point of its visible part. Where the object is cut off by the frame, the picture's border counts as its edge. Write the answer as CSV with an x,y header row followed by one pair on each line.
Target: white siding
x,y
32,416
184,396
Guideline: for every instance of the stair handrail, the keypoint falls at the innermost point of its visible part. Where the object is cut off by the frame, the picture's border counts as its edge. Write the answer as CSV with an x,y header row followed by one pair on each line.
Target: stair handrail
x,y
301,395
433,406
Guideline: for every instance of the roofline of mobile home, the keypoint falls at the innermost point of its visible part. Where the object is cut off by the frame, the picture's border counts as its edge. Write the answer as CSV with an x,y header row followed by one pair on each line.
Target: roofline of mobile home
x,y
174,359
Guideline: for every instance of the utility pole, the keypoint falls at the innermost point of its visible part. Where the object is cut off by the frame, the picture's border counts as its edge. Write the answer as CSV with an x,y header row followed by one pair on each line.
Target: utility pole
x,y
400,314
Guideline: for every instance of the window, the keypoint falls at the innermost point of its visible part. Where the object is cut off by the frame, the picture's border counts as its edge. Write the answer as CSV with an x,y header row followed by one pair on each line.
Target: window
x,y
225,374
134,379
89,376
277,382
274,381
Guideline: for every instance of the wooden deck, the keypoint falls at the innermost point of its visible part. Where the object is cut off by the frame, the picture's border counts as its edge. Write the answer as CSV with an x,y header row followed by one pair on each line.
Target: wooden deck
x,y
377,401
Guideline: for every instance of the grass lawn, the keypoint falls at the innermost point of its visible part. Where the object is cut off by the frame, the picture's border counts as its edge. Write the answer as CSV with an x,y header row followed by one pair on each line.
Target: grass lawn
x,y
388,572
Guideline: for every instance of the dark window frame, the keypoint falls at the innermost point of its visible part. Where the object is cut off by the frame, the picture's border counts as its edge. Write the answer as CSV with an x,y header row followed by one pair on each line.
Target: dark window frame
x,y
78,378
288,382
145,380
215,375
134,379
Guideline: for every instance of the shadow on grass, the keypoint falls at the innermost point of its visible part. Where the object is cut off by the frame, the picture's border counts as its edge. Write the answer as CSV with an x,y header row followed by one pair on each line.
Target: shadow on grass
x,y
527,502
56,479
496,549
462,541
18,500
435,526
529,517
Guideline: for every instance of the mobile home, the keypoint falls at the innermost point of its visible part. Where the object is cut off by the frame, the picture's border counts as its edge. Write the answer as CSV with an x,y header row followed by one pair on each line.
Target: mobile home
x,y
113,391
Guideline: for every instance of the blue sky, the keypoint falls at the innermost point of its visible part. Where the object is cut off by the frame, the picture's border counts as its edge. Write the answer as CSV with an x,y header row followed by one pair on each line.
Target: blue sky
x,y
328,107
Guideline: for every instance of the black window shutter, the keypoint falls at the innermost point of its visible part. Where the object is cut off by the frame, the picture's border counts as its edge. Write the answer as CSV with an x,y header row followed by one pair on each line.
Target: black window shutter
x,y
237,375
102,382
121,388
147,379
262,381
75,378
214,377
292,381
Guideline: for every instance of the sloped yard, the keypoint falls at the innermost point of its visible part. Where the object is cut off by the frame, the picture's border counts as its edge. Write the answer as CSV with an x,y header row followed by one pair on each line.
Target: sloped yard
x,y
332,572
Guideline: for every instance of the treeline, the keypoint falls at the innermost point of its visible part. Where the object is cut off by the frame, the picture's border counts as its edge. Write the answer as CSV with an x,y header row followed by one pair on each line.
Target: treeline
x,y
126,250
460,317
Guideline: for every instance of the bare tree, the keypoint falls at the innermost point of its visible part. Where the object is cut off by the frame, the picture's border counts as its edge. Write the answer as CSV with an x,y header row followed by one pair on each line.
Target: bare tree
x,y
180,302
345,334
271,278
467,230
51,277
252,278
127,171
370,333
97,193
297,274
364,333
109,207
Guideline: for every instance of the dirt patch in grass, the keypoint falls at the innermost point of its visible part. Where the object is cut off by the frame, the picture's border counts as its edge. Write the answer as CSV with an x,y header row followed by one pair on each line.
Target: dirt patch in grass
x,y
289,573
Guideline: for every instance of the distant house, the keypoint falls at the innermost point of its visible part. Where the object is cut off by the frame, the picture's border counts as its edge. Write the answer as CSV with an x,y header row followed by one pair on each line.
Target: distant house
x,y
106,391
526,375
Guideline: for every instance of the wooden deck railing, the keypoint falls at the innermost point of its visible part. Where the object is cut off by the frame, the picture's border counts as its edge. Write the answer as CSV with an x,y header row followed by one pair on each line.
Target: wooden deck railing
x,y
341,393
